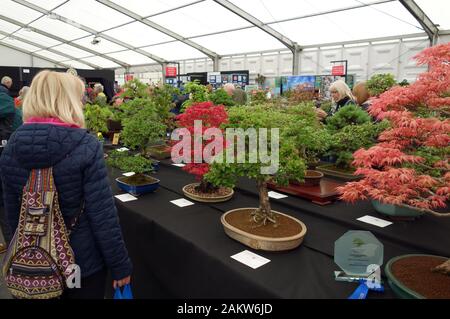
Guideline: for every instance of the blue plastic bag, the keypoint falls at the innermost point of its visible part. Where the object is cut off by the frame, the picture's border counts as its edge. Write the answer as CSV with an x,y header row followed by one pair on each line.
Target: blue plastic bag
x,y
125,294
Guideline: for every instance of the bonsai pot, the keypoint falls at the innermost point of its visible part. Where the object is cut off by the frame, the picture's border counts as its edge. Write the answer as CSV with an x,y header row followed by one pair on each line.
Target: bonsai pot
x,y
312,178
395,210
222,195
410,277
237,225
159,152
145,184
333,171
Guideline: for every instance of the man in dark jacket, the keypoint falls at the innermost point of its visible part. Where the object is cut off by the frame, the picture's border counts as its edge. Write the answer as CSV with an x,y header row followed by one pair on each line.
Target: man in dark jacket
x,y
7,114
81,180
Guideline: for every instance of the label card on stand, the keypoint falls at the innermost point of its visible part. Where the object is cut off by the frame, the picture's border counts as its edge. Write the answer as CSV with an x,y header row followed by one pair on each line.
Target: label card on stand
x,y
375,221
182,202
129,174
179,165
123,149
116,139
276,195
126,198
251,259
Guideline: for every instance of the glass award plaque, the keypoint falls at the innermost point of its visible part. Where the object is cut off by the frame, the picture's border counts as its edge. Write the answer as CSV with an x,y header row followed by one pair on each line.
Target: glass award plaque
x,y
359,254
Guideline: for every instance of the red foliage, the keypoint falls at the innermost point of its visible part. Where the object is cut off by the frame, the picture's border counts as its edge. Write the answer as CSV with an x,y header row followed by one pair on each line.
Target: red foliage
x,y
212,116
394,171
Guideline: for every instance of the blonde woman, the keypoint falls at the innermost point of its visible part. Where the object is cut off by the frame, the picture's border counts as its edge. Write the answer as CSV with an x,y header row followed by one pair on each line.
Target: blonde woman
x,y
53,135
341,96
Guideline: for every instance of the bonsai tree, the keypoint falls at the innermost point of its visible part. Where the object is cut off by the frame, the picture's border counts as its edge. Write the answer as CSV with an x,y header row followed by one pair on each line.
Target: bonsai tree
x,y
288,160
380,83
131,163
301,93
258,97
212,116
347,115
349,139
96,118
143,128
134,89
311,136
410,165
220,97
197,93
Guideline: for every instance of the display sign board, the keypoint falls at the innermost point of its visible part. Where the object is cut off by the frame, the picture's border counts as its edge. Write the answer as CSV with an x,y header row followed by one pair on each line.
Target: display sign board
x,y
129,77
357,252
338,70
171,71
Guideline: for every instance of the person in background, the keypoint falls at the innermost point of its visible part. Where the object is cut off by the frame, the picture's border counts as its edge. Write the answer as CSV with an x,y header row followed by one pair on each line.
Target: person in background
x,y
362,96
98,96
53,135
239,96
7,114
18,101
341,96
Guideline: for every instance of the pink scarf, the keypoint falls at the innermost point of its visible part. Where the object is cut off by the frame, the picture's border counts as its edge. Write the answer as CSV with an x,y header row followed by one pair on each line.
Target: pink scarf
x,y
49,120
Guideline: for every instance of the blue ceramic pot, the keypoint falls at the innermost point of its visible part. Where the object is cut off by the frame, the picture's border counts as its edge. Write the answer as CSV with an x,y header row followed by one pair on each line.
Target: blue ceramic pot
x,y
137,190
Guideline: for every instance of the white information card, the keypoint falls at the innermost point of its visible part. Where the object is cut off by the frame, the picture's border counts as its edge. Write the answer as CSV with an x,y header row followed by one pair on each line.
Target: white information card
x,y
250,259
374,221
126,198
276,195
182,202
179,165
129,174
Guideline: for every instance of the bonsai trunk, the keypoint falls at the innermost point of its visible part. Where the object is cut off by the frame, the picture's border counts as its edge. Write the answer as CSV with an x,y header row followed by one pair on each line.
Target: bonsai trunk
x,y
264,213
444,268
206,187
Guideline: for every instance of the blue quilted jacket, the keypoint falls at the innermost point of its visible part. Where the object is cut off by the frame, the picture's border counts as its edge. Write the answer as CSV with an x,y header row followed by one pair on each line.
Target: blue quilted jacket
x,y
80,176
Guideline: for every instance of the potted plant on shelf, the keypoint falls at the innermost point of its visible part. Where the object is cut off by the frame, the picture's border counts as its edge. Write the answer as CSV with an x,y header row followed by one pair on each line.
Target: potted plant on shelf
x,y
261,227
143,128
96,117
211,117
139,183
408,171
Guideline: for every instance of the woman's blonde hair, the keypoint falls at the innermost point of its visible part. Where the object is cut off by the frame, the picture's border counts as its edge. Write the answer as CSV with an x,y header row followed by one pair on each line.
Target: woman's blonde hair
x,y
343,90
361,93
57,95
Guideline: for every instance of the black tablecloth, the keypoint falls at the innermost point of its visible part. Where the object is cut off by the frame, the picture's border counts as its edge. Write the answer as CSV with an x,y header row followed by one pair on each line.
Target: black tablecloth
x,y
184,252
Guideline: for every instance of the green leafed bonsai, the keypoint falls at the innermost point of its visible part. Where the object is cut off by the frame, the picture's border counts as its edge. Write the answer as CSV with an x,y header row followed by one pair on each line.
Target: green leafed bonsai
x,y
278,167
221,97
96,118
380,83
135,89
129,163
197,93
351,138
143,128
348,115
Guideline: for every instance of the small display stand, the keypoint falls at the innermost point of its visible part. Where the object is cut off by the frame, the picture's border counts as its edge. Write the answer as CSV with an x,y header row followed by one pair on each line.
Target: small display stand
x,y
324,194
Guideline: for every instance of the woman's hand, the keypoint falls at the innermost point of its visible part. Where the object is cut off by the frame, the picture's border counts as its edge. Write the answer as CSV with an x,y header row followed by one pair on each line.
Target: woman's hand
x,y
321,114
122,282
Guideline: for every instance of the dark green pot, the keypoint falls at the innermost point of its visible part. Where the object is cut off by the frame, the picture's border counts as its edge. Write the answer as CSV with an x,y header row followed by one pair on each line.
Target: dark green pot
x,y
397,287
395,211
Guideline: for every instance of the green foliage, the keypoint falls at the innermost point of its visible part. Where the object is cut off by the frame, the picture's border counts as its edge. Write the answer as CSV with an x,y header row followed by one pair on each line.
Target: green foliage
x,y
326,106
127,163
291,165
347,115
96,117
220,97
404,82
304,111
431,155
380,83
351,138
198,93
135,89
258,97
143,127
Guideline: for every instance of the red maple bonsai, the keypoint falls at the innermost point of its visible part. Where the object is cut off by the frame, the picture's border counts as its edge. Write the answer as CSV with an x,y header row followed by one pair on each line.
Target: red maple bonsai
x,y
410,164
212,116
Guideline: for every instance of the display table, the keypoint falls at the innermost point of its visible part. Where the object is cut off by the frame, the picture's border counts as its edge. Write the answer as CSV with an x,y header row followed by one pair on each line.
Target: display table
x,y
184,252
